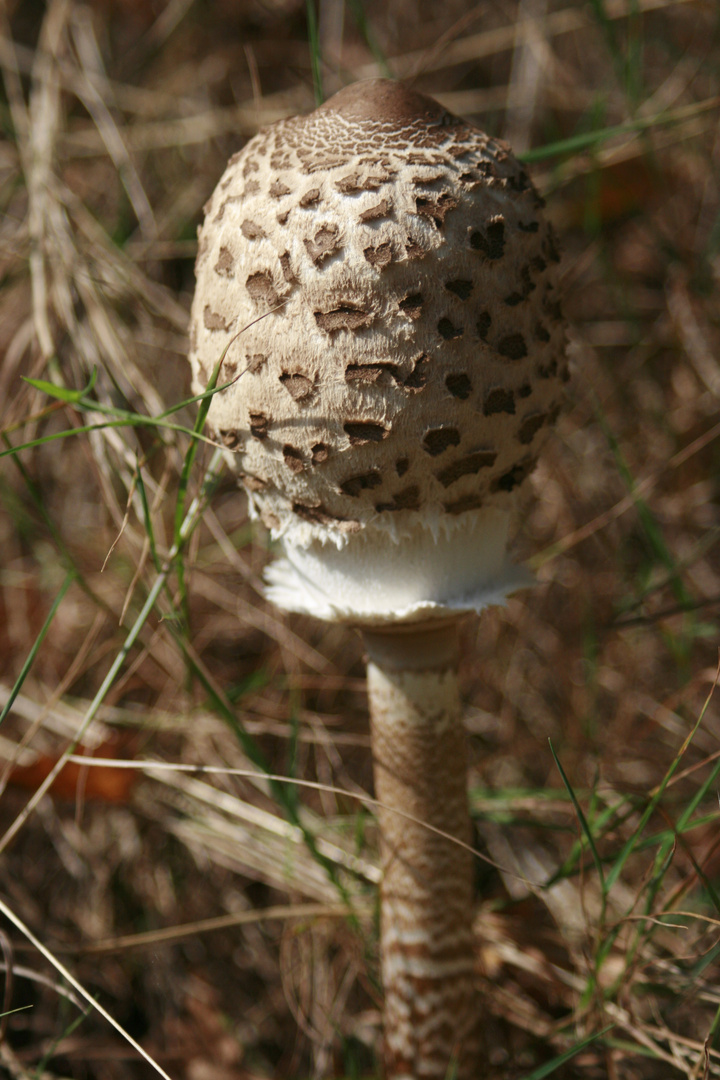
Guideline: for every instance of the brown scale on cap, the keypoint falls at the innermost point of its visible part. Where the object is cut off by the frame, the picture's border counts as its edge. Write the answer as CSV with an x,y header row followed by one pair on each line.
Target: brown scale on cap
x,y
404,308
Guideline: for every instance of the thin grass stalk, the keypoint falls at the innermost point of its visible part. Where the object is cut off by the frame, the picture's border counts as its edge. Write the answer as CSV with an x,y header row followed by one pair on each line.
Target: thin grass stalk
x,y
70,978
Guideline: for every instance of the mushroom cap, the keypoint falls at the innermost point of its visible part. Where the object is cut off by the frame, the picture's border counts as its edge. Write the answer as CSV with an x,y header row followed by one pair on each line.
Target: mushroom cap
x,y
380,282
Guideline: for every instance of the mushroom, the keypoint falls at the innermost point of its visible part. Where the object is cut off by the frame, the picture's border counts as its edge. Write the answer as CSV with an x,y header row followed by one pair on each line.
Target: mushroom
x,y
381,282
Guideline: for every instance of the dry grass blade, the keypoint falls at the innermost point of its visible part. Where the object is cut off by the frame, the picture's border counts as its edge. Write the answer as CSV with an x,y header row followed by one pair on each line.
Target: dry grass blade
x,y
475,47
78,987
222,922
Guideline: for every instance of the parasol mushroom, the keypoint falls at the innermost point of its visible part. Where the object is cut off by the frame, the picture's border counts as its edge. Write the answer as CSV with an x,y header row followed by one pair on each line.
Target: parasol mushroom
x,y
383,282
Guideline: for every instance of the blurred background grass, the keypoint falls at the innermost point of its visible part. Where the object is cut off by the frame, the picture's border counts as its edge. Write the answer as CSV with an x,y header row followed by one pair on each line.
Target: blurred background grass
x,y
206,910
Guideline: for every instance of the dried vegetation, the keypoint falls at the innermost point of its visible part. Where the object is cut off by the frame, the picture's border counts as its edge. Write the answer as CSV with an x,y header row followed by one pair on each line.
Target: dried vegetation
x,y
207,911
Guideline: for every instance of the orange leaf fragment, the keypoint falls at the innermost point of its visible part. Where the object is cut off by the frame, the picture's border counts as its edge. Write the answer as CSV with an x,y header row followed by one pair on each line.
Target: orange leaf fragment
x,y
97,783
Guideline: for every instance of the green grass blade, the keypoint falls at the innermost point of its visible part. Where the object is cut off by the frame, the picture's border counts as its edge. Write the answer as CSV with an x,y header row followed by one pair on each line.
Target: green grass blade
x,y
50,1052
635,56
147,518
701,793
587,139
315,57
284,793
188,463
609,32
357,10
710,1040
193,449
63,393
69,579
550,1066
291,756
191,519
701,875
632,842
666,836
698,797
131,420
610,817
20,1008
582,819
652,530
187,402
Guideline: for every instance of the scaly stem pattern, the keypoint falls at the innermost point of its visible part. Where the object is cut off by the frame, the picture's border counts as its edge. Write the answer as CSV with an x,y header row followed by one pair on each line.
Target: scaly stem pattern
x,y
427,950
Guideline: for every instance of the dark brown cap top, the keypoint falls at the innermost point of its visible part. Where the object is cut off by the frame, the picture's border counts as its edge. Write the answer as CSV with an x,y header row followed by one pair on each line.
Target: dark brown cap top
x,y
386,101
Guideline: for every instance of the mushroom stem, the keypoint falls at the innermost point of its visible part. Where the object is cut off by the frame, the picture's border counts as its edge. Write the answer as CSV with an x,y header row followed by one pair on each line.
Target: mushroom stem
x,y
419,755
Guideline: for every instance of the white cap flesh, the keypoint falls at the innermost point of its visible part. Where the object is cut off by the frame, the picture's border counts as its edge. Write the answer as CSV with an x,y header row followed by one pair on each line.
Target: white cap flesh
x,y
375,578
